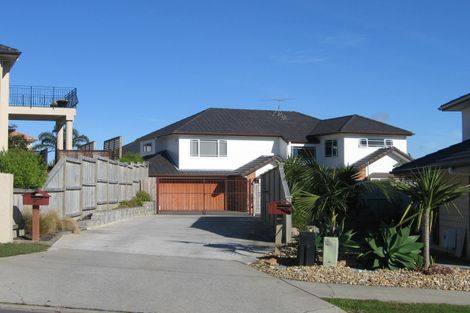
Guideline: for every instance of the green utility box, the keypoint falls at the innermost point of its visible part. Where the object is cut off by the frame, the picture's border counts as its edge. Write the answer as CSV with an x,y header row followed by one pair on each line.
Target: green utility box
x,y
330,251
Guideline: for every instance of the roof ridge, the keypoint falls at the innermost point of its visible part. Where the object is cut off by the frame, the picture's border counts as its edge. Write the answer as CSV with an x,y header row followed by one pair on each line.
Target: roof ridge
x,y
349,119
191,119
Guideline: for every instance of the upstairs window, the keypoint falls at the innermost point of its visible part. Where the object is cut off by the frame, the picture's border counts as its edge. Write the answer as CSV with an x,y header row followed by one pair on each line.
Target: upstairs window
x,y
147,147
208,148
304,152
331,148
375,143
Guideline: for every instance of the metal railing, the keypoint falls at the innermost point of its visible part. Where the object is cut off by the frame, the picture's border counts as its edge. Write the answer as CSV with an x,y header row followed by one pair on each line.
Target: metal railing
x,y
40,96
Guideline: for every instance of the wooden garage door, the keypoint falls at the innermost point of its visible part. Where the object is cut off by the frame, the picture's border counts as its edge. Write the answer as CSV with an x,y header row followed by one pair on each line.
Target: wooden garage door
x,y
198,195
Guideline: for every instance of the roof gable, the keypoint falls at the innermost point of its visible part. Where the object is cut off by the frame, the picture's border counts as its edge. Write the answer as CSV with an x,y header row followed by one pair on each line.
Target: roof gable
x,y
379,154
356,124
8,50
455,155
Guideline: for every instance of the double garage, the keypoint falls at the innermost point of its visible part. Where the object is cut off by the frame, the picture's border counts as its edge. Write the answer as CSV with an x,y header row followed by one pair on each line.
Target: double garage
x,y
204,195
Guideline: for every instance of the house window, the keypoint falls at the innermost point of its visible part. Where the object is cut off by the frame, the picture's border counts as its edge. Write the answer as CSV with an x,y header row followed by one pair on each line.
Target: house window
x,y
331,148
208,148
147,148
194,149
375,143
304,152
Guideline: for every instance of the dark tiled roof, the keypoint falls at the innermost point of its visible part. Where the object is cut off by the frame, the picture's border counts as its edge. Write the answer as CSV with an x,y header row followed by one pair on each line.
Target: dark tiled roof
x,y
454,156
356,124
8,50
292,126
456,104
380,153
256,164
161,164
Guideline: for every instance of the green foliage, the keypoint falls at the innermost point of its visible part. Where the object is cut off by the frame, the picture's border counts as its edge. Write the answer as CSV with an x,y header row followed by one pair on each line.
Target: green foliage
x,y
428,189
16,141
373,306
345,237
319,192
27,167
48,140
131,158
143,196
394,248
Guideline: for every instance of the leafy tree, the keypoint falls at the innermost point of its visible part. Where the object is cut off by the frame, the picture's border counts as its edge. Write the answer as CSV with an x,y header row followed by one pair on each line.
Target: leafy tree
x,y
48,140
131,158
428,189
28,168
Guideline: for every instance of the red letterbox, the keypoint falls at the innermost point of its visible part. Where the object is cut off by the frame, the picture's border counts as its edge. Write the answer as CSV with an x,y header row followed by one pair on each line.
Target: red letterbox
x,y
38,197
279,207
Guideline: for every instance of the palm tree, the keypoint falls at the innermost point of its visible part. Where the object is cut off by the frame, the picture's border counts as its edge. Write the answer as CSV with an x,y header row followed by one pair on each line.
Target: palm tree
x,y
321,192
428,189
48,140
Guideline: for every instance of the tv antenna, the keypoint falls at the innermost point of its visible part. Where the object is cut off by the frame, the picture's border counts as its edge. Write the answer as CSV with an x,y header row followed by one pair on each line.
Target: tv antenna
x,y
278,112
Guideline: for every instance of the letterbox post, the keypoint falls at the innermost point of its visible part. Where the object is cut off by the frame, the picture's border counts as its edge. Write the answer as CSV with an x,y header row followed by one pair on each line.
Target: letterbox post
x,y
36,199
35,224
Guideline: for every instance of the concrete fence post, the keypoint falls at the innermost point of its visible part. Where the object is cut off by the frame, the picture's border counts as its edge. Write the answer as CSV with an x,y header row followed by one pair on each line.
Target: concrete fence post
x,y
6,208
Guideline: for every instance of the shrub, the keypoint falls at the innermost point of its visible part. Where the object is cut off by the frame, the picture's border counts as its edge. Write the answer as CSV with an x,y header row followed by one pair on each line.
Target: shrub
x,y
27,167
131,158
143,196
394,249
51,223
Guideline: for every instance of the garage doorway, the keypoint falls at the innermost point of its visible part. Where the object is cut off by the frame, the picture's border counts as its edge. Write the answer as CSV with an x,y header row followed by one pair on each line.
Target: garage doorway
x,y
203,195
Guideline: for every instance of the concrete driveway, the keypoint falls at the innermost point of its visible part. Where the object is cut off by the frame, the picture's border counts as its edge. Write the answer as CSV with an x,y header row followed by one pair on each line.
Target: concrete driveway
x,y
169,264
238,238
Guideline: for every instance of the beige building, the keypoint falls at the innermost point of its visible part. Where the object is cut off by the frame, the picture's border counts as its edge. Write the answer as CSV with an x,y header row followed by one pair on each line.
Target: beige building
x,y
452,232
32,103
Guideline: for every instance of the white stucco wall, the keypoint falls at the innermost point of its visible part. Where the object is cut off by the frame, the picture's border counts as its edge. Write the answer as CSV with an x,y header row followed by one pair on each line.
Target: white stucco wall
x,y
354,152
466,124
384,165
333,161
240,150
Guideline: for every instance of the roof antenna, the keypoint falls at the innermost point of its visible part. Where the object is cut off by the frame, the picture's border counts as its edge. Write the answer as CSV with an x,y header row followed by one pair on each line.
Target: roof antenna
x,y
278,112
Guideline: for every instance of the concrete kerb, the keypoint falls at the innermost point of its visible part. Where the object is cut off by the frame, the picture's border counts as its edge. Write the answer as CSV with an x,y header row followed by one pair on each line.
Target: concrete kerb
x,y
387,294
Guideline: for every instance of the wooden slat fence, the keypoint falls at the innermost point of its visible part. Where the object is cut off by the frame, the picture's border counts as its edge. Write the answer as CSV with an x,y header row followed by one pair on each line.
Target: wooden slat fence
x,y
79,186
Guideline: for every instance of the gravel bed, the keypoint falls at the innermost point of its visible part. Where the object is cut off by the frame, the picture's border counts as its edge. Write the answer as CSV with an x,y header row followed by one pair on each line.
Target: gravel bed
x,y
455,279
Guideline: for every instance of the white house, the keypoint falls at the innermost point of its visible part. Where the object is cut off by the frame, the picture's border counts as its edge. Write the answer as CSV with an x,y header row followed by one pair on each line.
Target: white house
x,y
235,146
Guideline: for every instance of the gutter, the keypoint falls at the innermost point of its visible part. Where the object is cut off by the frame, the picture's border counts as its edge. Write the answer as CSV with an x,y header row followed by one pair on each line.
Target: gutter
x,y
454,172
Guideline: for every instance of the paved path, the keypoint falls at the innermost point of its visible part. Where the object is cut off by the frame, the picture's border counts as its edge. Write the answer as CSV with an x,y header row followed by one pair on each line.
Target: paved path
x,y
406,295
156,264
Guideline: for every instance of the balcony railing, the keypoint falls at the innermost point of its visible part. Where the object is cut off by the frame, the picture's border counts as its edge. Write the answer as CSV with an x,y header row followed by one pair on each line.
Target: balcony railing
x,y
39,96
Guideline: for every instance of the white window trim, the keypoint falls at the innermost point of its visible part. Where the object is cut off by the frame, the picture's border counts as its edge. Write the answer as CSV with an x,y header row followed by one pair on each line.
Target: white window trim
x,y
292,146
367,143
199,149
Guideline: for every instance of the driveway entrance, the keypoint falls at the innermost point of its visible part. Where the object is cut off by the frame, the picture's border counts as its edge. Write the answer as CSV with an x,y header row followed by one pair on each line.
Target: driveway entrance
x,y
240,238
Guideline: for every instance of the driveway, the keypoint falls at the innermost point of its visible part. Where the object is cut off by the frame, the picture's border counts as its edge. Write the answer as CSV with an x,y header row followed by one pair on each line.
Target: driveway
x,y
238,238
156,264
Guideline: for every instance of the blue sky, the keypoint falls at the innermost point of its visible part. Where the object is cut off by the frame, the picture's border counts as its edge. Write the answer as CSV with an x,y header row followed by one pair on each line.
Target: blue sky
x,y
139,65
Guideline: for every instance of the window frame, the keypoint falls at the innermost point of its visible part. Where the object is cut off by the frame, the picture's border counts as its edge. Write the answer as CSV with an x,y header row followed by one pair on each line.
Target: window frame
x,y
218,142
314,148
386,143
334,148
150,144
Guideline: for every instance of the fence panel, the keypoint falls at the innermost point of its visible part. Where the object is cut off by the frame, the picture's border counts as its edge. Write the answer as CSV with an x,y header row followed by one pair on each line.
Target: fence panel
x,y
84,184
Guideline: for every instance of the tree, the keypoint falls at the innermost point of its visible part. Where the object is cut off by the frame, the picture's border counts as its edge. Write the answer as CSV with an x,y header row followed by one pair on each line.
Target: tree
x,y
131,158
428,189
17,141
320,193
48,140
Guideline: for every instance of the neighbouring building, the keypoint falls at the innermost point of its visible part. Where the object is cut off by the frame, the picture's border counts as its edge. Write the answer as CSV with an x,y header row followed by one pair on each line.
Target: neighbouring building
x,y
34,103
452,232
211,160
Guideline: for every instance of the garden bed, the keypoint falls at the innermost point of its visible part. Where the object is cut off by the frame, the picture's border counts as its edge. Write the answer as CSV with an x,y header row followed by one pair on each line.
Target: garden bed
x,y
284,267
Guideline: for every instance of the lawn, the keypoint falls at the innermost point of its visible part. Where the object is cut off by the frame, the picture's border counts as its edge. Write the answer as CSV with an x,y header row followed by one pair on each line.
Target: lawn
x,y
373,306
11,249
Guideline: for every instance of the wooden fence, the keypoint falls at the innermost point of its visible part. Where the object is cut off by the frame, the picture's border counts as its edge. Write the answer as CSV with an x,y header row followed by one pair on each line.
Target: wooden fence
x,y
78,186
274,188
